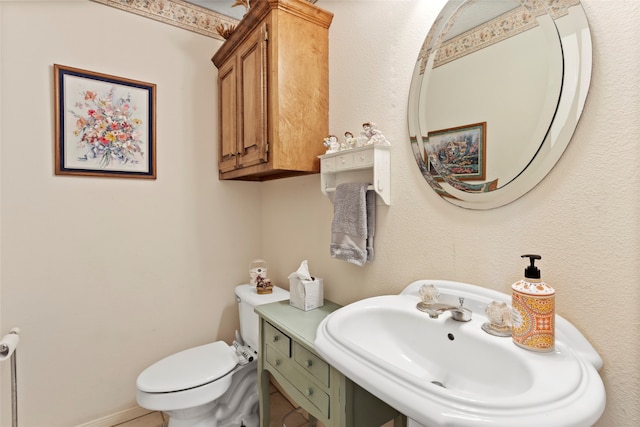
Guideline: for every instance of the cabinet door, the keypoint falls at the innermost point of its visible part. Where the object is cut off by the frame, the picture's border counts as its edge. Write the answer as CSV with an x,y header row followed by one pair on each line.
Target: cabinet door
x,y
252,98
228,123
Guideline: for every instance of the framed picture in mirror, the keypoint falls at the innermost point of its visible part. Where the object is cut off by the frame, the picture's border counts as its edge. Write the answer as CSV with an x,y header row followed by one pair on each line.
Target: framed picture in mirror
x,y
461,151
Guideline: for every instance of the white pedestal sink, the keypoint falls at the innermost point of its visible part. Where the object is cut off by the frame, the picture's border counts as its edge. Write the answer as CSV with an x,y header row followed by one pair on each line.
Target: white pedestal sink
x,y
441,372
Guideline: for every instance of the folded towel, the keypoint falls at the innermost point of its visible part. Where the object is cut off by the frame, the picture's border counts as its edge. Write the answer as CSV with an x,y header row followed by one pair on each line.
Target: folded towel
x,y
353,224
371,222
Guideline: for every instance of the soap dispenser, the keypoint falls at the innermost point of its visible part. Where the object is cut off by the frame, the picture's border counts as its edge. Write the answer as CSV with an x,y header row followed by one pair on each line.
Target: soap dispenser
x,y
533,310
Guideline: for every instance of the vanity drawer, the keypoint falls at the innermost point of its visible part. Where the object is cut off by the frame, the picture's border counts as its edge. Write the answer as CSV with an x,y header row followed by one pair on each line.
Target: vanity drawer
x,y
275,338
312,392
290,370
311,363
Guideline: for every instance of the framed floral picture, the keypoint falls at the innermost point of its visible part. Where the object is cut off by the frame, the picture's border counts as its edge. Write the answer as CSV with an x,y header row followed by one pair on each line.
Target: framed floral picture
x,y
105,125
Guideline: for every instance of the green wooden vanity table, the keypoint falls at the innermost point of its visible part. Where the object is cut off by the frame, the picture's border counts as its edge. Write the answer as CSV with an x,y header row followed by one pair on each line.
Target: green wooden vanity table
x,y
286,352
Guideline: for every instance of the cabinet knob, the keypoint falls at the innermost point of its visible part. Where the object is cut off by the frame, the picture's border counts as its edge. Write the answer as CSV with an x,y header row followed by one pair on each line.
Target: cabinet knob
x,y
276,338
309,391
278,362
308,363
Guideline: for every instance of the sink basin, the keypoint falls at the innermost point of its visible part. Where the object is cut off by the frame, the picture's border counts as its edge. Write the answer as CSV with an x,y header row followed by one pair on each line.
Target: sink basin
x,y
441,372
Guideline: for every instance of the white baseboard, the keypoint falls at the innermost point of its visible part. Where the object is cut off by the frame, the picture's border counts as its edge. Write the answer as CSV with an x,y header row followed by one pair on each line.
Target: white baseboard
x,y
118,418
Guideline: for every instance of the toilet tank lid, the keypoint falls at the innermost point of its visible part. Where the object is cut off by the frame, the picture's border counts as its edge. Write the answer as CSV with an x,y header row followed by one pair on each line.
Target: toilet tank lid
x,y
190,368
250,295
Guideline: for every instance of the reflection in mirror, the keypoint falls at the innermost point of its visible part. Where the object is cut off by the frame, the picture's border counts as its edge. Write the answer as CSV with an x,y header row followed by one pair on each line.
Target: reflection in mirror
x,y
490,96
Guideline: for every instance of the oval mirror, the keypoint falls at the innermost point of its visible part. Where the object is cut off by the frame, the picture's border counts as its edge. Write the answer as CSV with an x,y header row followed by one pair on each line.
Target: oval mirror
x,y
496,94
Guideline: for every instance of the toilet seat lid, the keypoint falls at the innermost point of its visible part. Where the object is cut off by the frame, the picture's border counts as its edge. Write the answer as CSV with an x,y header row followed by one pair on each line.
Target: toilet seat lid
x,y
188,369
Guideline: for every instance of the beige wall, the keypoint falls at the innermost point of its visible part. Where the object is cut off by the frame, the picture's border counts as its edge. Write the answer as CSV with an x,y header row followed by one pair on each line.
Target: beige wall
x,y
99,297
583,218
105,276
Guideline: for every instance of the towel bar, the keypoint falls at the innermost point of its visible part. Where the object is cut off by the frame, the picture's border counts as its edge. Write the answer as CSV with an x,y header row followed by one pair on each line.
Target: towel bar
x,y
4,351
333,189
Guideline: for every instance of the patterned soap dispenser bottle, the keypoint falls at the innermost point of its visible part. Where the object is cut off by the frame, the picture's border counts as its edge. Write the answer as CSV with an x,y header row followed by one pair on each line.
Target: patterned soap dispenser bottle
x,y
533,305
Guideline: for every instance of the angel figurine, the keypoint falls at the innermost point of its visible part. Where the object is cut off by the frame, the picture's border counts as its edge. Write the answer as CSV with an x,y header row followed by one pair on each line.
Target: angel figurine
x,y
349,140
332,144
372,135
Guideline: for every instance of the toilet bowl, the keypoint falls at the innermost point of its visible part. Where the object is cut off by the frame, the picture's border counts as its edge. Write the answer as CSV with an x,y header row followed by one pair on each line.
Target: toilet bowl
x,y
212,385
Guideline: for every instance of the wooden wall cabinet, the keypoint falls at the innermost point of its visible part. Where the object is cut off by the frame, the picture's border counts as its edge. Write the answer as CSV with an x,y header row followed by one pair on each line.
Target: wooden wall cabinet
x,y
273,91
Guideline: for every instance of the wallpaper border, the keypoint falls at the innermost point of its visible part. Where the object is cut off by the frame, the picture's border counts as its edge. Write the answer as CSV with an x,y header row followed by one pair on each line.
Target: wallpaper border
x,y
178,13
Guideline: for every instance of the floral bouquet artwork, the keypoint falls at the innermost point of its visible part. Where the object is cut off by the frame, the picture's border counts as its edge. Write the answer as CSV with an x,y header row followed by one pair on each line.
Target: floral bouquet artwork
x,y
108,131
105,125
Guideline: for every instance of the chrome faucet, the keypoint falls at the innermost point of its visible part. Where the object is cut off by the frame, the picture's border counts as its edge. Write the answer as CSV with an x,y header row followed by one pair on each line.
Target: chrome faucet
x,y
459,313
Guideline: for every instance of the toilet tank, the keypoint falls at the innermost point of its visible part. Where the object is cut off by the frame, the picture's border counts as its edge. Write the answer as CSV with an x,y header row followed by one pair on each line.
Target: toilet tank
x,y
248,298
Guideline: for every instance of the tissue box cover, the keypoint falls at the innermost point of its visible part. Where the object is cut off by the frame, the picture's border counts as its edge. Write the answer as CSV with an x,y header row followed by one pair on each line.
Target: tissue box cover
x,y
306,294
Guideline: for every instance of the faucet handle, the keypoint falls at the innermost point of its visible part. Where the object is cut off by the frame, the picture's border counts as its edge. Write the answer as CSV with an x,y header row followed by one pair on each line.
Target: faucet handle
x,y
461,301
499,319
429,294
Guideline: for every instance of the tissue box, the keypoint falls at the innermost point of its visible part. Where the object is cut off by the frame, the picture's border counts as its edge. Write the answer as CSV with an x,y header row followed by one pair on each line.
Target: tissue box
x,y
306,294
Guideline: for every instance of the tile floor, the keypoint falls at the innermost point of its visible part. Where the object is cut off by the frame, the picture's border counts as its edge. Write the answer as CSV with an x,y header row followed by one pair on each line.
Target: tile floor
x,y
280,407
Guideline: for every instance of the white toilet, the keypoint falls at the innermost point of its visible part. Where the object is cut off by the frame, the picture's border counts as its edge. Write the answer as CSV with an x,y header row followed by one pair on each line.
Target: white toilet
x,y
213,385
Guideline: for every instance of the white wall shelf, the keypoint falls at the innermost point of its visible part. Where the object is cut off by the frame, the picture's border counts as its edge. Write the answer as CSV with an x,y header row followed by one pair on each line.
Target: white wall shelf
x,y
370,164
